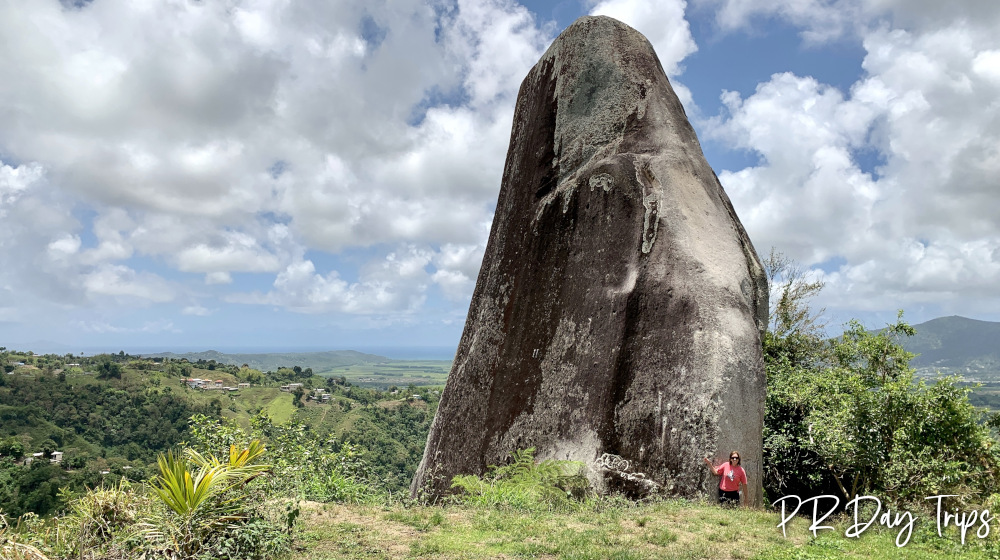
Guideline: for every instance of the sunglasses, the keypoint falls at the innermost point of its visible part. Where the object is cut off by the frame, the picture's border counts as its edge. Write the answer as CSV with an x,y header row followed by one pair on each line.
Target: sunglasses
x,y
734,457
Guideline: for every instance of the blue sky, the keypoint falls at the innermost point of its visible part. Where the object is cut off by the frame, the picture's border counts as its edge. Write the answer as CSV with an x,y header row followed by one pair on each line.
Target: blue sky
x,y
314,175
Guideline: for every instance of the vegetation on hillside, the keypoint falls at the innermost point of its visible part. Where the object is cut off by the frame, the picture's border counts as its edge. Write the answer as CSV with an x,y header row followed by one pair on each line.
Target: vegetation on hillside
x,y
957,346
110,415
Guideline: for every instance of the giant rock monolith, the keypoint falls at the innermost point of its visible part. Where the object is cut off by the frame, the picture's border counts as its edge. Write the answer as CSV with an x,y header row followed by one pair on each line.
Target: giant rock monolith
x,y
620,303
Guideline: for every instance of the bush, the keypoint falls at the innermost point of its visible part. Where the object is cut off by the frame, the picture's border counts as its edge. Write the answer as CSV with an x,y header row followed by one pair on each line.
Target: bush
x,y
524,484
102,522
304,465
216,508
198,507
848,419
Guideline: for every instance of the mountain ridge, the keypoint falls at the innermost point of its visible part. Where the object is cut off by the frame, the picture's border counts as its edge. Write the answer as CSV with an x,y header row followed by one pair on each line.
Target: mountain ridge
x,y
956,345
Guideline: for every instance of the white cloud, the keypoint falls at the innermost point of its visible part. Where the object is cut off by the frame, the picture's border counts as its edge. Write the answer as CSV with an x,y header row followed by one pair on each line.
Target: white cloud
x,y
219,139
395,285
457,269
218,278
235,252
153,327
15,180
63,247
987,65
824,20
196,310
922,229
122,281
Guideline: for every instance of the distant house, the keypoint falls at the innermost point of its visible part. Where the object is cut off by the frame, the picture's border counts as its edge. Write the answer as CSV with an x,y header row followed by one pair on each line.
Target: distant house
x,y
291,387
325,397
218,383
56,457
243,385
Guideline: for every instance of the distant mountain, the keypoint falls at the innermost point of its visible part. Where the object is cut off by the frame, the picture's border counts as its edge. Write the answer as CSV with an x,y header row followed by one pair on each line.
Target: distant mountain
x,y
957,345
318,361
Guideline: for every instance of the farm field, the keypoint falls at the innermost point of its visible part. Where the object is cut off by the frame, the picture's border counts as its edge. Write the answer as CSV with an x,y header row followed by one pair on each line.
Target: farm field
x,y
401,373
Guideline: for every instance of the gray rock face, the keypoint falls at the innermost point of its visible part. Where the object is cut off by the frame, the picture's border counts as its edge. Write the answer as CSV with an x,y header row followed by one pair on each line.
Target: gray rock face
x,y
618,312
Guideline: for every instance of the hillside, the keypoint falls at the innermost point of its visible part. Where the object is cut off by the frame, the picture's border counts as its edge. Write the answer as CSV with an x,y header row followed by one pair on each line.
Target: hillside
x,y
110,415
957,345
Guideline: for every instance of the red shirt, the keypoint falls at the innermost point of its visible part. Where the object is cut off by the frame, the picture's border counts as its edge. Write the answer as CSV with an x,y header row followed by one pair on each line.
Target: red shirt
x,y
731,477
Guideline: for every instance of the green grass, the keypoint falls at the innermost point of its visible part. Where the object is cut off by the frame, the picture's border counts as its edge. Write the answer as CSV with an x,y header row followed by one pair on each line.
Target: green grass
x,y
280,408
599,531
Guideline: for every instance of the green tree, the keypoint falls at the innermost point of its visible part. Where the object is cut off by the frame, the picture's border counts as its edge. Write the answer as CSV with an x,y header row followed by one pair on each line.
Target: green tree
x,y
12,448
109,370
845,416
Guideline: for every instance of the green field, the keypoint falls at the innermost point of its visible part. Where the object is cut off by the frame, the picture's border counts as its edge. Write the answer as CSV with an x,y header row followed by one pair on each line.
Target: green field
x,y
401,373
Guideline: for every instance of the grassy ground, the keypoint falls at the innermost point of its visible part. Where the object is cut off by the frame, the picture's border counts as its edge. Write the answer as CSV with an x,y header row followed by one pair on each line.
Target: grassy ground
x,y
673,529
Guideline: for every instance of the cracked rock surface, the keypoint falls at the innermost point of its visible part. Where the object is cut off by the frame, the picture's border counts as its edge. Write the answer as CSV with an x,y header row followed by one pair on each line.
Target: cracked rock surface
x,y
620,305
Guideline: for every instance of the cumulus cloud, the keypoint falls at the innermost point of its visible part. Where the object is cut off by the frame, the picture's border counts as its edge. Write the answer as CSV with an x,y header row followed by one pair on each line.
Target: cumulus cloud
x,y
15,180
823,20
218,278
164,152
196,310
457,269
220,139
395,285
122,281
915,228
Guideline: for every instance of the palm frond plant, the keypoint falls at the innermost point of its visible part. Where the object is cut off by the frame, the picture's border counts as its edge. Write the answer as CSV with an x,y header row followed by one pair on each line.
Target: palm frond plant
x,y
204,496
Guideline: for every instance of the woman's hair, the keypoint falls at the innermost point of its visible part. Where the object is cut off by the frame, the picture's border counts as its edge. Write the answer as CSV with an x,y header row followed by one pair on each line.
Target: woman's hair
x,y
739,458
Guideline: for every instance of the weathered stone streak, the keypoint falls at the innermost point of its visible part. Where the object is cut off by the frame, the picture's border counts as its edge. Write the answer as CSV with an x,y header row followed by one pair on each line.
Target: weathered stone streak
x,y
620,303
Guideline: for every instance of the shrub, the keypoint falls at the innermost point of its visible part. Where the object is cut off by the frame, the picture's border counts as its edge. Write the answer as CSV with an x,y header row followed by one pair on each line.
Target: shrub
x,y
524,484
304,464
102,522
209,511
16,543
849,420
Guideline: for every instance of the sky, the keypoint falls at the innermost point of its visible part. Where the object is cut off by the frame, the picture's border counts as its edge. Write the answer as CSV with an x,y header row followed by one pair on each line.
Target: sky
x,y
275,175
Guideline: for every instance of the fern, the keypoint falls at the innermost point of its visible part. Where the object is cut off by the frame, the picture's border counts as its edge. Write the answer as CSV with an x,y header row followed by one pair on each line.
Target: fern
x,y
524,484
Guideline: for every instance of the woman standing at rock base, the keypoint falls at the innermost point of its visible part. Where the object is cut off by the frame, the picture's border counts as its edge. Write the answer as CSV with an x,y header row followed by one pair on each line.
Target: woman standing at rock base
x,y
734,478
